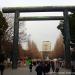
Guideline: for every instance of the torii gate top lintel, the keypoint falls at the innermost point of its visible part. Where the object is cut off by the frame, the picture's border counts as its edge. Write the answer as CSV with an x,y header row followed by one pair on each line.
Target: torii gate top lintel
x,y
38,9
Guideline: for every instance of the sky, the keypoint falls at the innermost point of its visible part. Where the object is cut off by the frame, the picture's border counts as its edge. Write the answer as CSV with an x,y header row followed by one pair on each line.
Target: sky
x,y
39,30
22,3
43,31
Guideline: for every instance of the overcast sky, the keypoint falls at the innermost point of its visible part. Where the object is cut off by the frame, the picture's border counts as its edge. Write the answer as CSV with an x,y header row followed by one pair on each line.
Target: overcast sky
x,y
21,3
40,30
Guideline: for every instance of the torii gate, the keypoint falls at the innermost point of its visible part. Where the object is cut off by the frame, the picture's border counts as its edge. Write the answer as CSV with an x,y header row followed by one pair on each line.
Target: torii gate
x,y
18,10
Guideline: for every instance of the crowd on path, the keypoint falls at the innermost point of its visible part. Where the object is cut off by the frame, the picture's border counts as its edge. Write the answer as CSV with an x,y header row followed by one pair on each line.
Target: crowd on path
x,y
43,67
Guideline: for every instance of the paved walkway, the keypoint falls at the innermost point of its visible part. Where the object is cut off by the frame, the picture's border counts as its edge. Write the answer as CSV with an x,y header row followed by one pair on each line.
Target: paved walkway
x,y
25,71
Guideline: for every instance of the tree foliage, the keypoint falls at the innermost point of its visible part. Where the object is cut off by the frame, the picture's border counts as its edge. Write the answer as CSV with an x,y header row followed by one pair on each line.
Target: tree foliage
x,y
59,47
3,25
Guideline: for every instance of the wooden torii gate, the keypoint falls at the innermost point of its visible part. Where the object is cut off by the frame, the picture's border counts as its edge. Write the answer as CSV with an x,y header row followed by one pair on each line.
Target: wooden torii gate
x,y
18,10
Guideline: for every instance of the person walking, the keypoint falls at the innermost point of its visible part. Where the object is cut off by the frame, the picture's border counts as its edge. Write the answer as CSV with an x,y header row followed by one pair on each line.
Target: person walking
x,y
57,66
48,66
2,66
53,66
72,67
44,66
30,66
39,68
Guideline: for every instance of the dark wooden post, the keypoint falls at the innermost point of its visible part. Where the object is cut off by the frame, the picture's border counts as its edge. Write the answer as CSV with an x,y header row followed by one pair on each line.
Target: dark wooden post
x,y
15,41
67,39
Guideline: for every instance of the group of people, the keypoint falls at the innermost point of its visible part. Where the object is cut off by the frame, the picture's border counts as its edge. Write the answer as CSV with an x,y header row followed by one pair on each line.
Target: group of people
x,y
43,67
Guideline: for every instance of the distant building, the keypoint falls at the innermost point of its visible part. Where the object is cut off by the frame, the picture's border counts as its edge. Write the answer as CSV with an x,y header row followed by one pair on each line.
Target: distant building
x,y
46,48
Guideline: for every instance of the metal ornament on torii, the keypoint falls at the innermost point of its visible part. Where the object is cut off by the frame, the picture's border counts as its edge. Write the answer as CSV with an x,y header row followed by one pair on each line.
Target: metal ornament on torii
x,y
18,10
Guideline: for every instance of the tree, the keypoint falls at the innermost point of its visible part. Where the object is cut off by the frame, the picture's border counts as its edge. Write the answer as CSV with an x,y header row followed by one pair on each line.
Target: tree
x,y
10,31
72,29
61,27
35,51
32,51
3,27
59,47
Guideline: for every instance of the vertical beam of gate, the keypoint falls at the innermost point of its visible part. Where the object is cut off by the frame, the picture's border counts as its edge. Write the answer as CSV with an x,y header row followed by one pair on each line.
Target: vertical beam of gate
x,y
67,39
15,40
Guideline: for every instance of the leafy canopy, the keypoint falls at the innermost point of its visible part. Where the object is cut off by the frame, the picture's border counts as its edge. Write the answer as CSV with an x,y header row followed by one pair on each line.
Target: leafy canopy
x,y
3,24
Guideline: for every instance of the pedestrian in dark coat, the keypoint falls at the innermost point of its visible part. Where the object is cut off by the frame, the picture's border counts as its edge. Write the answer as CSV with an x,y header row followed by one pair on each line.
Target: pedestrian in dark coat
x,y
39,69
53,66
72,70
48,67
2,66
44,66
